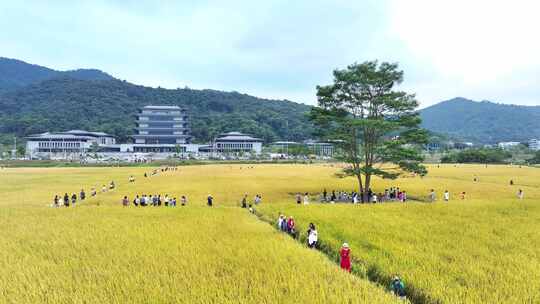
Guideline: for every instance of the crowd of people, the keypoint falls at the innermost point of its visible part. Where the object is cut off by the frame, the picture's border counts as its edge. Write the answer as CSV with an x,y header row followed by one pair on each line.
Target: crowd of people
x,y
72,199
288,225
156,200
432,196
256,201
393,194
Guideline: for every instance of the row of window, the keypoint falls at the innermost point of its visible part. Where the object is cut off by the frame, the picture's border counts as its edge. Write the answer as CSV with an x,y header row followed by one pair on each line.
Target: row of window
x,y
162,125
162,118
162,132
157,141
235,146
59,144
162,112
57,150
160,149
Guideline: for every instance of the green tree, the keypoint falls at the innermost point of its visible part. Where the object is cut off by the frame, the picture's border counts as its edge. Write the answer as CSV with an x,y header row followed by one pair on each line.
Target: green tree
x,y
21,151
482,156
372,123
535,159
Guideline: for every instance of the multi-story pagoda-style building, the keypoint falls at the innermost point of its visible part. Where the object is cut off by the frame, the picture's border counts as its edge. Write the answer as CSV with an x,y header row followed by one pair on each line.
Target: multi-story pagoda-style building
x,y
161,129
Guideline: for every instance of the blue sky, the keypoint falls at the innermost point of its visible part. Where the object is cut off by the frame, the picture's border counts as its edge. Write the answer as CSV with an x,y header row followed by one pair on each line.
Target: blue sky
x,y
283,49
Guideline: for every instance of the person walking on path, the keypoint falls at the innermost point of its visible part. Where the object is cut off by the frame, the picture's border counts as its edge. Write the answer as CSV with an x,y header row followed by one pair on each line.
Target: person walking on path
x,y
398,287
432,196
125,201
73,199
82,195
520,194
345,255
306,199
280,222
291,226
284,224
209,200
244,201
446,196
66,200
183,200
166,200
298,199
312,236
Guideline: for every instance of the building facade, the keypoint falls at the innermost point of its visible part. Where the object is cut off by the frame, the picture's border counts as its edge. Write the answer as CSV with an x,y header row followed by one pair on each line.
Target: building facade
x,y
162,125
161,129
236,142
69,144
508,144
534,144
320,148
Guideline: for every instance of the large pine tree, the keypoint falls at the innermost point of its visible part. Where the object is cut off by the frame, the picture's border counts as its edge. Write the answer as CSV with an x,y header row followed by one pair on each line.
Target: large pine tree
x,y
375,126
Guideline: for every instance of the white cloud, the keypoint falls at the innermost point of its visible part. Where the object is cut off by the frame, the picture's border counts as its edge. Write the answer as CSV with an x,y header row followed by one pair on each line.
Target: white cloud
x,y
478,40
477,48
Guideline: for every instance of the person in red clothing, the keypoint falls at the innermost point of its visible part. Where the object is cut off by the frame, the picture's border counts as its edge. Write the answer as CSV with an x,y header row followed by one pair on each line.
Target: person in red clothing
x,y
291,228
345,254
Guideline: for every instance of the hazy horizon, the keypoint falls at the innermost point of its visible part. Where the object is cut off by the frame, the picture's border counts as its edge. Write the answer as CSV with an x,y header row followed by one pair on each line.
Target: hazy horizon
x,y
282,50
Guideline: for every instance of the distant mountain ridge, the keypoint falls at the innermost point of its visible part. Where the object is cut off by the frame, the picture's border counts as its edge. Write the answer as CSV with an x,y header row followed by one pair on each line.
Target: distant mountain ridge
x,y
482,122
16,74
38,99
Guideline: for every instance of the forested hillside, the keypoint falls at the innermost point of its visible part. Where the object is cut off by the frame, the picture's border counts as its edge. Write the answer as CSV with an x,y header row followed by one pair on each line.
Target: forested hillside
x,y
15,74
36,99
111,105
482,122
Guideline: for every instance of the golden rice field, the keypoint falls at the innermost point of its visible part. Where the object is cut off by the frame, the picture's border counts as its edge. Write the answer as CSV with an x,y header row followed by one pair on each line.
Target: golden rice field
x,y
485,249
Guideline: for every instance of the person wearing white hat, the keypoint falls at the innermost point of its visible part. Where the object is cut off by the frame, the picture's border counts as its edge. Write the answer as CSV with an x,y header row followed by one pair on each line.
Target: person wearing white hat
x,y
345,254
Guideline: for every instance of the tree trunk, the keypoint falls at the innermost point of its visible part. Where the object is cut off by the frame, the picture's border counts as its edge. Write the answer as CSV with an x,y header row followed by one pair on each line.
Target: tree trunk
x,y
360,186
367,186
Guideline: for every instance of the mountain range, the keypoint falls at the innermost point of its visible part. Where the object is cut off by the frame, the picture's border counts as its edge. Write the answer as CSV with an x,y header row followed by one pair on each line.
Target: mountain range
x,y
36,99
482,122
16,74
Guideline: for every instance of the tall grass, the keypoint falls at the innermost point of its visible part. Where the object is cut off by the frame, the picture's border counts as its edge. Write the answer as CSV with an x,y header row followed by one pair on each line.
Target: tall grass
x,y
480,250
190,255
